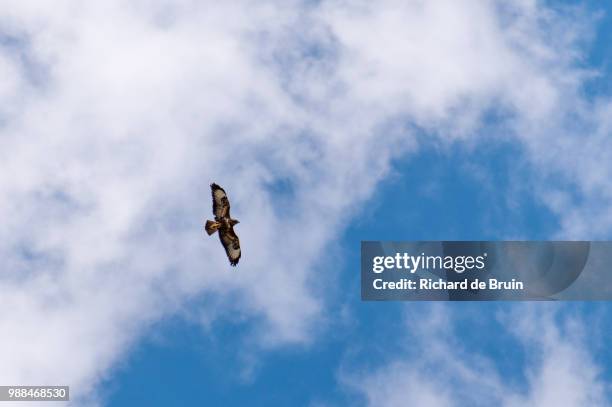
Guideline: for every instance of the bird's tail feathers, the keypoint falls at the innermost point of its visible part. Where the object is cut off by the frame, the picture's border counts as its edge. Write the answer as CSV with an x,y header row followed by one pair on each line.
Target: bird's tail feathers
x,y
211,227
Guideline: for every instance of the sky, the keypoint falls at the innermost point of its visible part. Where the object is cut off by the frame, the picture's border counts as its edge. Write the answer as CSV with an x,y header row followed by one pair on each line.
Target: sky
x,y
327,123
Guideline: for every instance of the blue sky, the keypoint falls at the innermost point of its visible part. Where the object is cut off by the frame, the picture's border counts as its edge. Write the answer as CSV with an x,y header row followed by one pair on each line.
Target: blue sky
x,y
182,364
328,123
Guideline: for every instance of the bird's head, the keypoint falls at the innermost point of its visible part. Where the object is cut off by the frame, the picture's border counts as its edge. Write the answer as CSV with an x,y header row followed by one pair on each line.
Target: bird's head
x,y
234,222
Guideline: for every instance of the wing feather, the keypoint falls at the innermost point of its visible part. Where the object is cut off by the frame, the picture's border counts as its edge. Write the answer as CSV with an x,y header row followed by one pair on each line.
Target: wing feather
x,y
231,243
221,205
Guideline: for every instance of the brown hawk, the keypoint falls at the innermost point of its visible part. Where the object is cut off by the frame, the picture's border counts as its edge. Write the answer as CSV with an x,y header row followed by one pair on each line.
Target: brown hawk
x,y
224,224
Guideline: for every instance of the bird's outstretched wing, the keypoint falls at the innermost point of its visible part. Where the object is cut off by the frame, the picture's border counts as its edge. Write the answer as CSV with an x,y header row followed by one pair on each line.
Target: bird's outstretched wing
x,y
231,243
221,206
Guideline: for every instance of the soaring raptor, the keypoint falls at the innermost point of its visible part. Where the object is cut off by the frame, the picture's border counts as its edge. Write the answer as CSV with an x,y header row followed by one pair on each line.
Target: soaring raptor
x,y
224,224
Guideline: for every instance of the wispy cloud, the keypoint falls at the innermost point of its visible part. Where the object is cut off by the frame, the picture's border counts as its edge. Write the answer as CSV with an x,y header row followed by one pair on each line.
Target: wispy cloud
x,y
434,367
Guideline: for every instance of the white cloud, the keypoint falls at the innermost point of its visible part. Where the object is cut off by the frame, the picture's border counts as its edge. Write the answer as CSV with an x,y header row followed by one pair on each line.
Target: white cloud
x,y
116,116
435,368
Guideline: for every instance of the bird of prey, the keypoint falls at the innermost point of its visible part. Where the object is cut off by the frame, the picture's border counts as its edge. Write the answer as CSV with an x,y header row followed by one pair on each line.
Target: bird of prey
x,y
224,224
